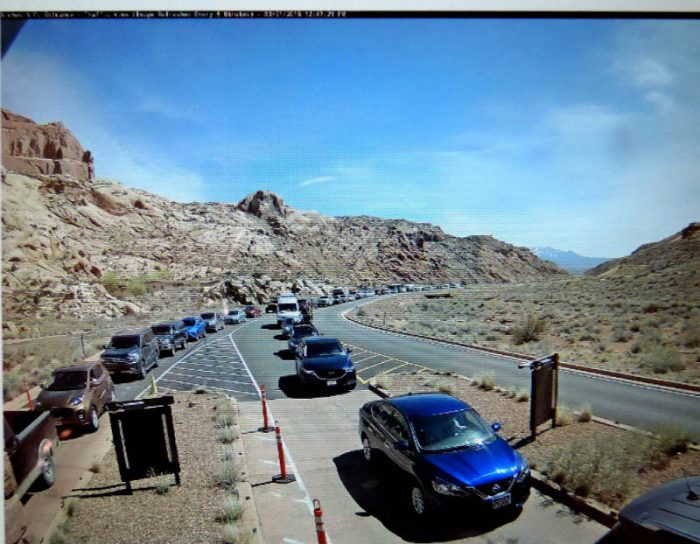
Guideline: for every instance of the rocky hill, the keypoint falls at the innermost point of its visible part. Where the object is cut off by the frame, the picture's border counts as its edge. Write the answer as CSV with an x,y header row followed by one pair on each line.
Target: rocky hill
x,y
34,149
678,251
71,243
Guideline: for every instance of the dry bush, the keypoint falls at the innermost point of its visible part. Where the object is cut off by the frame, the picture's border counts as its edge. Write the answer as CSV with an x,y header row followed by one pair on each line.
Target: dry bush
x,y
565,416
530,330
233,533
584,414
662,359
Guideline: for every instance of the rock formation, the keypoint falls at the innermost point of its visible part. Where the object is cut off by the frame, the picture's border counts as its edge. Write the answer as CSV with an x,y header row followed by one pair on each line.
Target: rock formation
x,y
66,236
34,149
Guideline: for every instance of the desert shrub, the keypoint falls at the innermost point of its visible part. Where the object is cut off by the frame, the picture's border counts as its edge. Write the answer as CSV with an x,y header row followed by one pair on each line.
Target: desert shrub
x,y
361,312
233,533
529,331
225,418
227,435
110,281
565,416
232,509
230,476
662,359
691,334
445,387
584,414
136,286
487,383
670,439
523,396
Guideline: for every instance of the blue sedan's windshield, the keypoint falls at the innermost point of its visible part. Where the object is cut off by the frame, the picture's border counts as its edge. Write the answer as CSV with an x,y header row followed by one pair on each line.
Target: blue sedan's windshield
x,y
451,431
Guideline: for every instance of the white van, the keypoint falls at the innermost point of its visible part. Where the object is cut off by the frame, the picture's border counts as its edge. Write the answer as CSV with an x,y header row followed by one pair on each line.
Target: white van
x,y
288,307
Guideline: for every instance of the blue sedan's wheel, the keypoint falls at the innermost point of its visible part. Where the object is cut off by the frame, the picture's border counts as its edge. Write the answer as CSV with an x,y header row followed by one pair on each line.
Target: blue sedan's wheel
x,y
419,500
367,452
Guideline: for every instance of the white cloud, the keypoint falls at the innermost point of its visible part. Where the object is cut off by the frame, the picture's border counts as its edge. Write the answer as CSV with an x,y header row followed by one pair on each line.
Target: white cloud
x,y
160,107
46,89
316,181
648,72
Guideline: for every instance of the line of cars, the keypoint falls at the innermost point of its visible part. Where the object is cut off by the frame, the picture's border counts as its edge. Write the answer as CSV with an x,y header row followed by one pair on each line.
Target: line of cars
x,y
77,395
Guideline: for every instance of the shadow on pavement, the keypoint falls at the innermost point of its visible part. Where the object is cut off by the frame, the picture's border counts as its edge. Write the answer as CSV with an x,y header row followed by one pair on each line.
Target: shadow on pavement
x,y
285,355
270,326
387,498
292,387
281,337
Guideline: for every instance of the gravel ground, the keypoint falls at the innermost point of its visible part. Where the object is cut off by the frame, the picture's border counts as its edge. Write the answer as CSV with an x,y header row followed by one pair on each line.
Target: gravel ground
x,y
186,514
514,416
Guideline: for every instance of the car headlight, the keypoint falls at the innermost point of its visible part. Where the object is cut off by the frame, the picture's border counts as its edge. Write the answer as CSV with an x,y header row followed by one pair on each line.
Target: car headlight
x,y
306,370
133,356
523,474
76,401
348,367
446,488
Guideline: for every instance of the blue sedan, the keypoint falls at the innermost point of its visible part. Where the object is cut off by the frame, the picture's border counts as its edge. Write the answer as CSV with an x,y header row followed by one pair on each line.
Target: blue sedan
x,y
195,328
453,457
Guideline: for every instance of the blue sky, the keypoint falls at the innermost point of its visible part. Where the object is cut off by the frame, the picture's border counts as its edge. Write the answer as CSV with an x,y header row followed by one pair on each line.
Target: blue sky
x,y
575,134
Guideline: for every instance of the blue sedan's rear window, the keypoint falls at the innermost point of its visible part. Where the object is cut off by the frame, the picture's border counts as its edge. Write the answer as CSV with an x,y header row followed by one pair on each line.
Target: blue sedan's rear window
x,y
189,322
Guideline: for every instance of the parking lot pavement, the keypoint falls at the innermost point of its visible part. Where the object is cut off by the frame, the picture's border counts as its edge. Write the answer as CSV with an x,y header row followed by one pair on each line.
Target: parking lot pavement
x,y
370,364
215,365
322,440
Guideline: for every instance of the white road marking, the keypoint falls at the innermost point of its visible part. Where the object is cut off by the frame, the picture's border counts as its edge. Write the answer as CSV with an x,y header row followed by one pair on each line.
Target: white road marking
x,y
210,387
292,464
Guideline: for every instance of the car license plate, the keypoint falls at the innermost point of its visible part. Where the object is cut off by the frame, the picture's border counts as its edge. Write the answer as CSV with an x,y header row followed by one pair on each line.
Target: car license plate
x,y
500,502
332,382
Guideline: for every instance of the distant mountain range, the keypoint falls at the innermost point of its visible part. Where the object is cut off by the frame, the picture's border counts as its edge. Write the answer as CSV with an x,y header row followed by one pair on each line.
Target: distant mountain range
x,y
568,260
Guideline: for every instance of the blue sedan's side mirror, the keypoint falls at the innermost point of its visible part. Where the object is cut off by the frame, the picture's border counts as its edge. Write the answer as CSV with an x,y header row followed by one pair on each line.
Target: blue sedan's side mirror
x,y
401,445
496,426
349,350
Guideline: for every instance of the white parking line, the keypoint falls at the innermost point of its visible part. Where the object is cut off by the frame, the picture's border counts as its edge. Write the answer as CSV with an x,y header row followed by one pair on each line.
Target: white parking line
x,y
292,464
207,378
170,380
218,365
184,359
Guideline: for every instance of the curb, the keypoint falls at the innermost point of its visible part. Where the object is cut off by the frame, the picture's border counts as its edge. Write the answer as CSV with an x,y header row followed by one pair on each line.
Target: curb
x,y
593,509
571,366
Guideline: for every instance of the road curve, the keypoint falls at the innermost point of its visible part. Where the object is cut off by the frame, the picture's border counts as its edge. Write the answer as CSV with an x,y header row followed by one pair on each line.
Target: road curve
x,y
634,404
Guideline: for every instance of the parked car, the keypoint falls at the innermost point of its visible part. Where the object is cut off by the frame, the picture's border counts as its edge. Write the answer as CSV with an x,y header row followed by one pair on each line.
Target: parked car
x,y
131,351
77,395
253,311
325,301
452,456
213,321
195,327
31,440
323,362
234,316
287,326
170,336
668,513
299,332
271,308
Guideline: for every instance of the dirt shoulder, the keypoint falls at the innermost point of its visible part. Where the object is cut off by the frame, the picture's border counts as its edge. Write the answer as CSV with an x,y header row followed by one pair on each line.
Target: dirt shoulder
x,y
212,504
589,458
642,326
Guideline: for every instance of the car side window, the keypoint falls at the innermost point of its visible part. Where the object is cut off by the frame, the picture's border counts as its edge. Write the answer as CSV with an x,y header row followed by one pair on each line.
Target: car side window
x,y
147,337
397,426
96,372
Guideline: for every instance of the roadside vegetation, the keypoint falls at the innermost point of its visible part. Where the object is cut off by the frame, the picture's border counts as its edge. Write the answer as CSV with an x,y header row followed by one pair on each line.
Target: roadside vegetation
x,y
590,459
209,505
647,324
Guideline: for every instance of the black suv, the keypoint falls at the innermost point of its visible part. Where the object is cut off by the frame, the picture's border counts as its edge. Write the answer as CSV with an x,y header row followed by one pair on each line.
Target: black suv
x,y
324,362
132,351
170,336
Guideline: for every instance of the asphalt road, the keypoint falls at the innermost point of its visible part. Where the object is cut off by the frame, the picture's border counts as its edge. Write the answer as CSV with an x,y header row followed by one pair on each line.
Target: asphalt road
x,y
634,404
